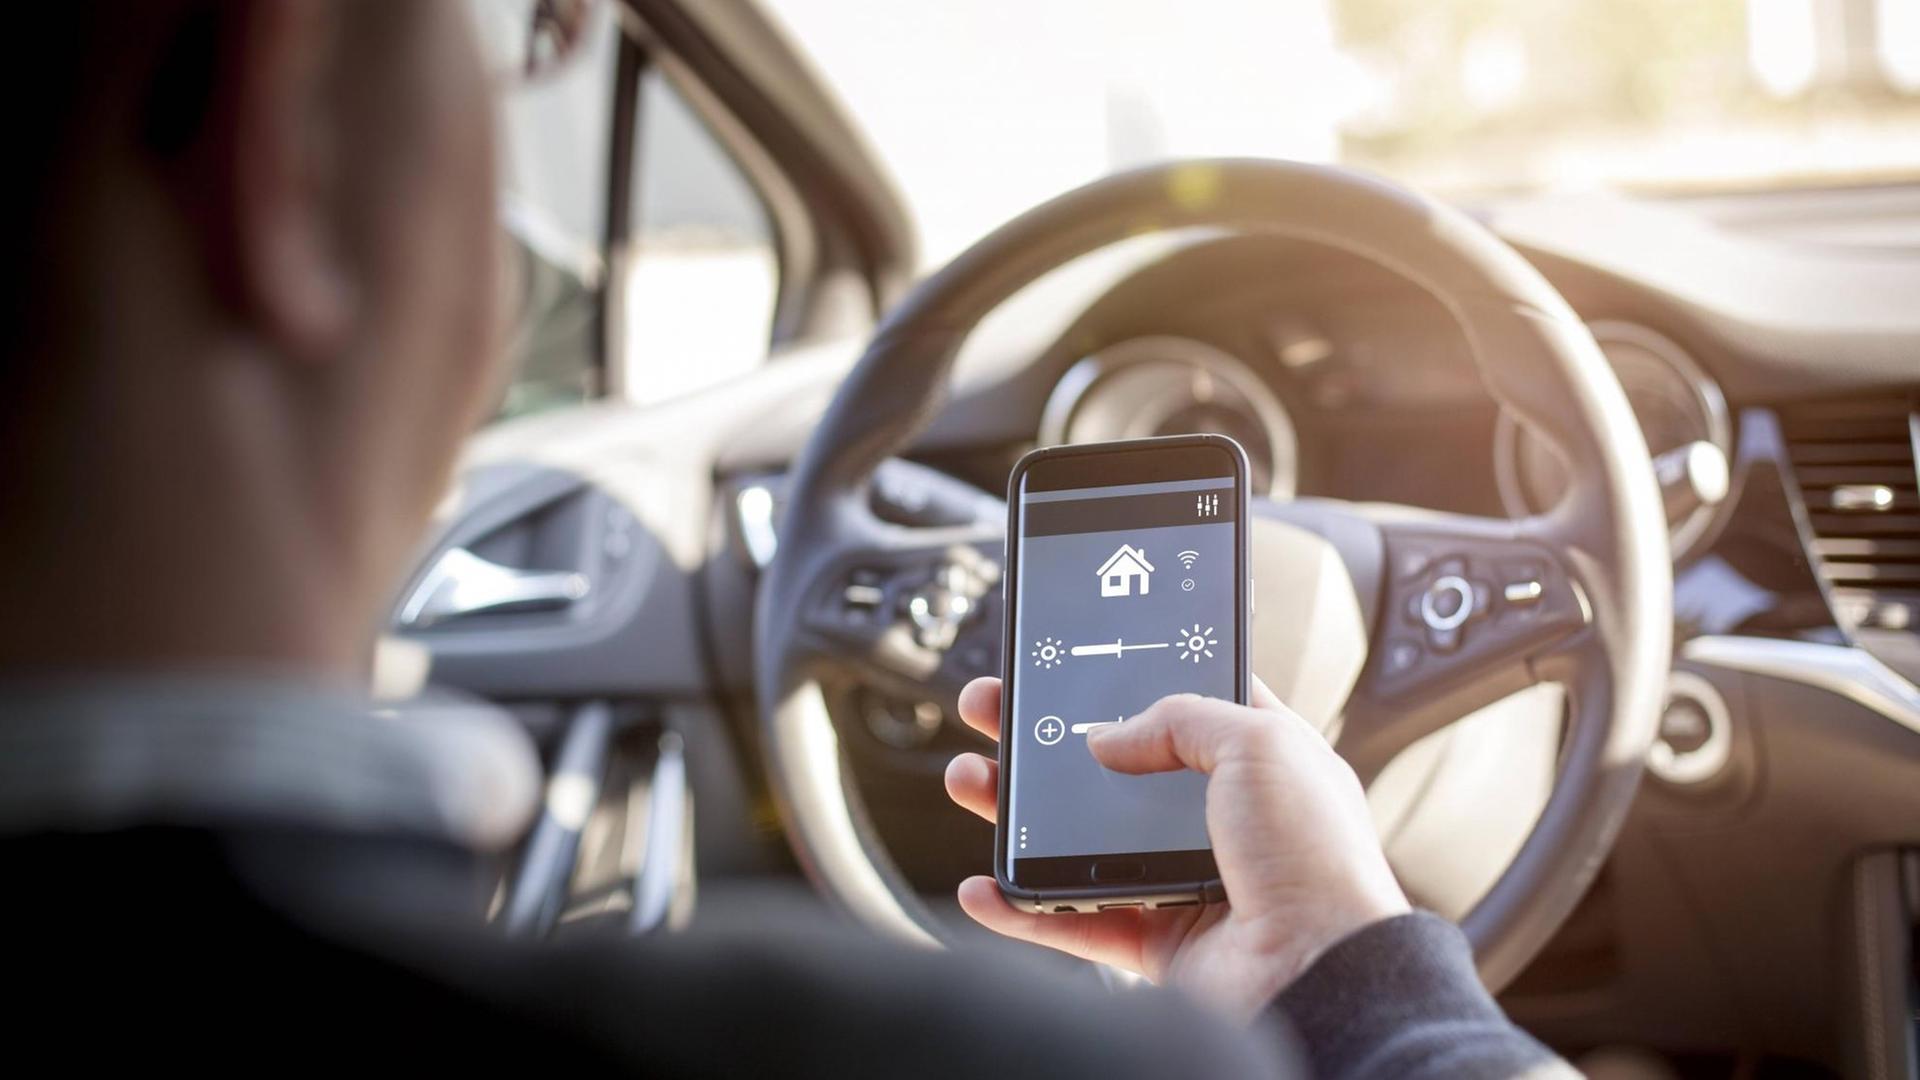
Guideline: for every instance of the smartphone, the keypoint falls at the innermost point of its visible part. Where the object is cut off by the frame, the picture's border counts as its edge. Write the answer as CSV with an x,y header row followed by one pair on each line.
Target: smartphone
x,y
1126,581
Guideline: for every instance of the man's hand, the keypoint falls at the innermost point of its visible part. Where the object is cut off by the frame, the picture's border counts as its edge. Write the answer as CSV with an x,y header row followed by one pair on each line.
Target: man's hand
x,y
1290,829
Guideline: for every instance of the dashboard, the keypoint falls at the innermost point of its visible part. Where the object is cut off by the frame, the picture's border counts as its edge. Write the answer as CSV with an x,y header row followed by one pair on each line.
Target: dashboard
x,y
1173,385
1327,380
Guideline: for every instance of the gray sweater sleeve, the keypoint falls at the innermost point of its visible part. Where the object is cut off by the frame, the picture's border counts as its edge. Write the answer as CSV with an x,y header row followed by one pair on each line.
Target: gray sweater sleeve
x,y
1400,998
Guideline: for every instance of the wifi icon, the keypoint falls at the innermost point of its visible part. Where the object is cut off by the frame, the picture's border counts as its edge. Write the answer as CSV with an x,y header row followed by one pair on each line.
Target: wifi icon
x,y
1187,558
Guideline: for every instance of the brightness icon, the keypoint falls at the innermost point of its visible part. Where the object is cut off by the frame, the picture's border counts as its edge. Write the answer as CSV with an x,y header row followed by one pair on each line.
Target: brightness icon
x,y
1197,643
1048,653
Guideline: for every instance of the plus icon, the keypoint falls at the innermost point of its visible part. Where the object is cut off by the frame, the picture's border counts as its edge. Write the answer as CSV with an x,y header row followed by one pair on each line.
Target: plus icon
x,y
1049,730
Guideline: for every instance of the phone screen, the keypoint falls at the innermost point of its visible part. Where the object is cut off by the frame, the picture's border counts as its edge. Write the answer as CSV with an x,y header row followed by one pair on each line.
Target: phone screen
x,y
1126,592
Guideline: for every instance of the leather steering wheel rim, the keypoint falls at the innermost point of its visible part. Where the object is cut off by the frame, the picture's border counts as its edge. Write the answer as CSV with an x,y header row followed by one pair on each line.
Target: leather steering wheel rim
x,y
1536,357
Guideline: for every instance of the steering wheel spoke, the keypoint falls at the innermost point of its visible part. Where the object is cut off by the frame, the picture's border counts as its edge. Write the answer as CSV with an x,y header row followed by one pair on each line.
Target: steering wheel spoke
x,y
912,612
1469,608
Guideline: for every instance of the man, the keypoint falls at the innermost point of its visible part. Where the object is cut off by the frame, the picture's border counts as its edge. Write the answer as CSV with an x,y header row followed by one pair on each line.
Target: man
x,y
252,318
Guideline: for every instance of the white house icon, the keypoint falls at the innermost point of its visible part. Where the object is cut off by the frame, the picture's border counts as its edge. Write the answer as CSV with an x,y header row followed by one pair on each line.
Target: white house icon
x,y
1118,572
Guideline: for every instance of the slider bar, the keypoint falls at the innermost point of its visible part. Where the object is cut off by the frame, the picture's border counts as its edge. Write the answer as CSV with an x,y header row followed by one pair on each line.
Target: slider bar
x,y
1113,649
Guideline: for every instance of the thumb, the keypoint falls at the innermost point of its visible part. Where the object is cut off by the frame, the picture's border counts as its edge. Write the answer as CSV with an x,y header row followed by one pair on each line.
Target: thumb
x,y
1183,731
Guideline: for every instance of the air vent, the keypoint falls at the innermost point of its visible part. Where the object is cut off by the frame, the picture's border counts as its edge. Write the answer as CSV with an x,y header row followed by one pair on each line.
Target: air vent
x,y
1854,461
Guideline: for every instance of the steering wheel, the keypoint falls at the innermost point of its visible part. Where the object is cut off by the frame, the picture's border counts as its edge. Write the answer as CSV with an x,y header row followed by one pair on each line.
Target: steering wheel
x,y
1458,611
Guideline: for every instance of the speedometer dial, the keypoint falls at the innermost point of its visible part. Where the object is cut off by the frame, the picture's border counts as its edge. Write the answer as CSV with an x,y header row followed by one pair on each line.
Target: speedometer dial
x,y
1175,386
1672,398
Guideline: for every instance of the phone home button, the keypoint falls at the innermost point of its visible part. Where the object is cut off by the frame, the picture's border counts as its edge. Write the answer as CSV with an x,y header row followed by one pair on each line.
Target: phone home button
x,y
1108,871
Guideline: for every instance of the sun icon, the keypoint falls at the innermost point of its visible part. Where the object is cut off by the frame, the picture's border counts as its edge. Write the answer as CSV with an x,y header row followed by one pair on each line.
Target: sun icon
x,y
1197,643
1048,652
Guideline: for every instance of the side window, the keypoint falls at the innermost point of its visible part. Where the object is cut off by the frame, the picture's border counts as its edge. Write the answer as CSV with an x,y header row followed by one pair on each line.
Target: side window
x,y
701,278
693,293
553,178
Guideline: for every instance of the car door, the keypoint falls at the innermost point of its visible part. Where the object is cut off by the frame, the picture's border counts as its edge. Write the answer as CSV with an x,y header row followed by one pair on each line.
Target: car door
x,y
685,206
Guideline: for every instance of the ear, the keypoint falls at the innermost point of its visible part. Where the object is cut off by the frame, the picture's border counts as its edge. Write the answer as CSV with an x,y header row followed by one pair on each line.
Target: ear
x,y
271,159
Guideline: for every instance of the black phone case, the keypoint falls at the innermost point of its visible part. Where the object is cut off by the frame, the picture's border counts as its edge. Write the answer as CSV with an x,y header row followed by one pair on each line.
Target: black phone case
x,y
1091,898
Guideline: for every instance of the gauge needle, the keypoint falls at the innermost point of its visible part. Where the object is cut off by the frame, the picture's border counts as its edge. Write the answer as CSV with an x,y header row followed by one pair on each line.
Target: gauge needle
x,y
1114,649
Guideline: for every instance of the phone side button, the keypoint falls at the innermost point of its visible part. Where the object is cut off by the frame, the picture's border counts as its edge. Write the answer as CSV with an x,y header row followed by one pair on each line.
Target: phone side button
x,y
1107,871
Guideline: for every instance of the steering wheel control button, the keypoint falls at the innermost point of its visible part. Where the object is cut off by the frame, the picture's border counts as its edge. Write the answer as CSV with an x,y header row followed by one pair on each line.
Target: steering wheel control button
x,y
1480,603
1411,610
1523,592
1446,604
1110,871
942,606
1402,656
1410,564
863,595
1050,730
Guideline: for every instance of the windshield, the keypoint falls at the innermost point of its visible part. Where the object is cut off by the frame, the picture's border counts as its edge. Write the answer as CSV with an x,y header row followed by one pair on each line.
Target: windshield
x,y
982,109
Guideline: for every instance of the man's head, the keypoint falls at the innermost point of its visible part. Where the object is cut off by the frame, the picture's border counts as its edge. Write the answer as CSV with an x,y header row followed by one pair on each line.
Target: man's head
x,y
253,314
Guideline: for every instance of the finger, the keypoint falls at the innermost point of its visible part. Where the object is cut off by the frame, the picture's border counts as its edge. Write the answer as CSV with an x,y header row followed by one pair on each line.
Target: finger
x,y
1110,937
973,781
1183,731
980,706
1264,698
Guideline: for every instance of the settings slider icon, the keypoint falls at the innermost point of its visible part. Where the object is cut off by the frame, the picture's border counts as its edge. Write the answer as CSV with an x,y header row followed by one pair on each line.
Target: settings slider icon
x,y
1048,653
1196,643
